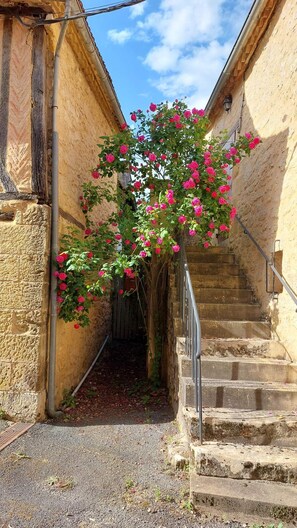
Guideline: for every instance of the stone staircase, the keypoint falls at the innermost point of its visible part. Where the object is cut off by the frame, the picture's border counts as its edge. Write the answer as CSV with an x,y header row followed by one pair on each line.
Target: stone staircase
x,y
248,461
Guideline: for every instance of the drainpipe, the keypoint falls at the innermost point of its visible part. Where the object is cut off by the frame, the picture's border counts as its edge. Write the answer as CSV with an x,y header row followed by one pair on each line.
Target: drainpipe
x,y
54,225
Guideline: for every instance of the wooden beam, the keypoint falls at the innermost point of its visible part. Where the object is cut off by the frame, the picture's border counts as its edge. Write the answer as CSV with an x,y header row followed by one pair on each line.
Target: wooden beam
x,y
38,118
5,179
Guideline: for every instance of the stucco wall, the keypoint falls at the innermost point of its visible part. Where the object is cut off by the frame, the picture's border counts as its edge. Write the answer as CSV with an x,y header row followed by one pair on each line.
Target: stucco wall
x,y
82,118
264,186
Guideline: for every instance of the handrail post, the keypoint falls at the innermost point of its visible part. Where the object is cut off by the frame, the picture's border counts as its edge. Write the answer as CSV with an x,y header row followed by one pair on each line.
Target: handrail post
x,y
192,332
280,277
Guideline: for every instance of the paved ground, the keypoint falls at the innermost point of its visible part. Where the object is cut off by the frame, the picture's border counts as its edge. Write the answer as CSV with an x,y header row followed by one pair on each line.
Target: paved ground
x,y
103,464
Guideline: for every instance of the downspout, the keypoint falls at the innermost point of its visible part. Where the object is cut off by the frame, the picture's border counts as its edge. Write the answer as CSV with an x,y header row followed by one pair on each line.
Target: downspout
x,y
51,409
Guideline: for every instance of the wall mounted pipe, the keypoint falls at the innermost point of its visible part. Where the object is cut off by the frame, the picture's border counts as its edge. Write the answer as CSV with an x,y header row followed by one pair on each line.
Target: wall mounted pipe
x,y
51,408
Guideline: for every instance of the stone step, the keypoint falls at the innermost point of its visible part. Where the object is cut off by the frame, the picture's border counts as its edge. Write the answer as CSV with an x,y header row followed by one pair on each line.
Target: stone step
x,y
217,250
219,312
244,347
243,426
253,348
206,268
249,462
235,329
217,281
273,501
229,312
250,369
241,394
216,258
223,295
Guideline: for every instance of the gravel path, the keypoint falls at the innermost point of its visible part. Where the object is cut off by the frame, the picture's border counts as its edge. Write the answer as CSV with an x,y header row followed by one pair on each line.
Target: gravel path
x,y
104,463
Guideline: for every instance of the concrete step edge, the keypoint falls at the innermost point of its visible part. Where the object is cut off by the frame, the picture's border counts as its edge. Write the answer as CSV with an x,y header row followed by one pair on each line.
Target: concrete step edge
x,y
244,359
241,415
266,499
245,384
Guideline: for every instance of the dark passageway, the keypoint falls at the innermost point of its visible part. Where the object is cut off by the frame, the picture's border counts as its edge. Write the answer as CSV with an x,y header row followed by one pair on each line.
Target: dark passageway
x,y
118,389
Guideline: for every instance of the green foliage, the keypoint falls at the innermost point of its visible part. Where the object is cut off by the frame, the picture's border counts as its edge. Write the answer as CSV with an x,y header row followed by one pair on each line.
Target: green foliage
x,y
129,483
179,184
2,414
68,399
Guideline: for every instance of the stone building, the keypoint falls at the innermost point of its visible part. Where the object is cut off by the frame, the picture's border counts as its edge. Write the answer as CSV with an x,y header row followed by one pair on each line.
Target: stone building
x,y
261,77
87,109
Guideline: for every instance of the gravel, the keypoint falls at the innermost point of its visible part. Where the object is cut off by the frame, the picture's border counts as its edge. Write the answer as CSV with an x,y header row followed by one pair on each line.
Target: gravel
x,y
103,464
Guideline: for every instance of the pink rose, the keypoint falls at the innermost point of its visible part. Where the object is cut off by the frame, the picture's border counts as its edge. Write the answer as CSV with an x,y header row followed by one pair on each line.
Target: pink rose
x,y
193,165
198,210
124,149
222,201
109,158
182,219
211,171
233,212
175,248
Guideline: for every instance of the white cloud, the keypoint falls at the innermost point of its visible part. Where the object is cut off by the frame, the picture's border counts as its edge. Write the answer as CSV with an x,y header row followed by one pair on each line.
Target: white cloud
x,y
178,24
120,37
162,58
137,10
194,39
195,73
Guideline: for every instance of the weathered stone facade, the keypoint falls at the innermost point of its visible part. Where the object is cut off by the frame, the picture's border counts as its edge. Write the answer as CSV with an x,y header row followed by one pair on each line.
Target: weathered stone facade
x,y
264,186
87,110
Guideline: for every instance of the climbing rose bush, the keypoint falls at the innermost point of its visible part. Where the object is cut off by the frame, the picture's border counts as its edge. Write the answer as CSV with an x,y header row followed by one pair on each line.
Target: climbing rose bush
x,y
179,184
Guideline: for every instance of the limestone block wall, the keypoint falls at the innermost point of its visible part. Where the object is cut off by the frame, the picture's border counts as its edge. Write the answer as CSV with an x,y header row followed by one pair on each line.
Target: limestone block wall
x,y
264,186
24,259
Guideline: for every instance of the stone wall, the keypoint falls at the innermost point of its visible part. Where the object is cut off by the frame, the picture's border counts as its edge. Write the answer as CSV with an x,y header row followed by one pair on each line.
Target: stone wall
x,y
264,186
24,258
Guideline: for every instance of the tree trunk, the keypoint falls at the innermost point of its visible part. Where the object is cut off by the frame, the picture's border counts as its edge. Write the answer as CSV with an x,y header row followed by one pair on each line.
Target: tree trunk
x,y
156,316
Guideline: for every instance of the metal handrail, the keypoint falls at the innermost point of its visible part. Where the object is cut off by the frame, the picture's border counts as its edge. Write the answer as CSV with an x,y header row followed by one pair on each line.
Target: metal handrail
x,y
273,269
192,331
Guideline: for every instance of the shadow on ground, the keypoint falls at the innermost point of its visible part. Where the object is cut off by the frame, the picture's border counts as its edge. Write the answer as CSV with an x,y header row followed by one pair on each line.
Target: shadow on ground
x,y
117,391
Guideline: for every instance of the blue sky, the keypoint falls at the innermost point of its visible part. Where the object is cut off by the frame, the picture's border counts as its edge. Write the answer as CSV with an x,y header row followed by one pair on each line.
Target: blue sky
x,y
162,49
